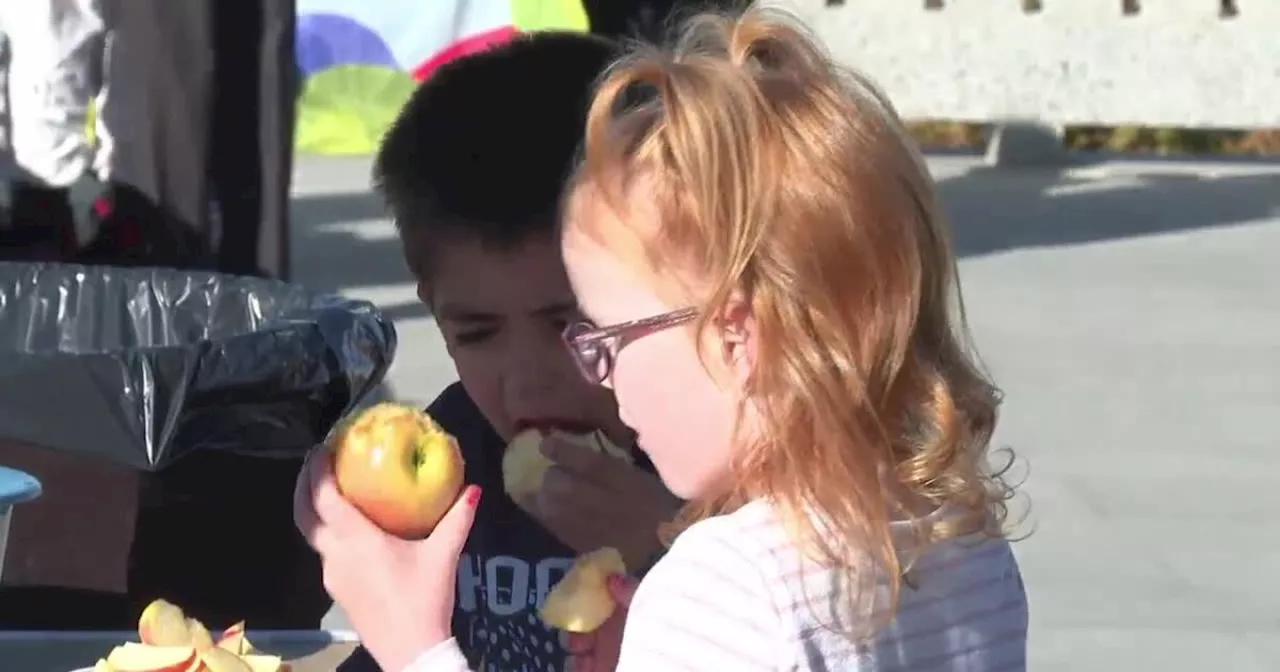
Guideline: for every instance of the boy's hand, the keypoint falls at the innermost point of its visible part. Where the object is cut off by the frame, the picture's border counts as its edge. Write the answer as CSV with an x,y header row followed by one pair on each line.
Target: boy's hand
x,y
590,500
599,651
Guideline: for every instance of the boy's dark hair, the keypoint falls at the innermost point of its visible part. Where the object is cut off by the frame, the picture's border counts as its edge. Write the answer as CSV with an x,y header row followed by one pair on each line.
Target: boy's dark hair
x,y
484,146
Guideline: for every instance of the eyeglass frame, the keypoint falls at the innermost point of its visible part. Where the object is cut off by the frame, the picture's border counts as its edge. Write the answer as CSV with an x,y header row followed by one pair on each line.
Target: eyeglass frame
x,y
614,337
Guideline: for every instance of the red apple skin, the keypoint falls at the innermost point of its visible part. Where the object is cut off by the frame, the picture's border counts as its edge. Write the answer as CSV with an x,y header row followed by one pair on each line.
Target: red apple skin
x,y
399,468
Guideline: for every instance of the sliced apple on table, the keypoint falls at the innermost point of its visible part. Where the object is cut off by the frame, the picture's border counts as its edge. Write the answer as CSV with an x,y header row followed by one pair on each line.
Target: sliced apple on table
x,y
581,601
263,663
164,624
234,640
132,657
222,660
102,666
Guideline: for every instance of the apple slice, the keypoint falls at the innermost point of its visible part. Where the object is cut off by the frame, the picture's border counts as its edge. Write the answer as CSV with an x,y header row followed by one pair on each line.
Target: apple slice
x,y
198,635
132,657
221,660
581,601
234,640
163,624
261,663
524,465
103,666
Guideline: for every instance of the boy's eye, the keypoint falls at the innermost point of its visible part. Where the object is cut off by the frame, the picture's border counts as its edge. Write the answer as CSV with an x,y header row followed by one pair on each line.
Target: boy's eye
x,y
474,336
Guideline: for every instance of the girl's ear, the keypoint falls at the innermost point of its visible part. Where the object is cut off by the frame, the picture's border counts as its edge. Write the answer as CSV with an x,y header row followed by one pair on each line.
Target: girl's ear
x,y
737,329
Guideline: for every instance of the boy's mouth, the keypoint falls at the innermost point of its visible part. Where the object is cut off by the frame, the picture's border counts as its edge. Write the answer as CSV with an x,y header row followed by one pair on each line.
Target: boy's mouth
x,y
547,425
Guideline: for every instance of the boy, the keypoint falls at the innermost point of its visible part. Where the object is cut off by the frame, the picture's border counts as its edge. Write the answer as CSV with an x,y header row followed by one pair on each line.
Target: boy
x,y
472,171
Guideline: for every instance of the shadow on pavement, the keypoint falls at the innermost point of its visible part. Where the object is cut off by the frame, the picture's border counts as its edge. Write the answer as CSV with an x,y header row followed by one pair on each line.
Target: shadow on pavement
x,y
995,210
991,210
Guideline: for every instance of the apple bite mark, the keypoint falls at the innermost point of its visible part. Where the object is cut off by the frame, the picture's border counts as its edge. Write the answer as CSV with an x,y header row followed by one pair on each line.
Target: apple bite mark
x,y
581,601
524,465
399,468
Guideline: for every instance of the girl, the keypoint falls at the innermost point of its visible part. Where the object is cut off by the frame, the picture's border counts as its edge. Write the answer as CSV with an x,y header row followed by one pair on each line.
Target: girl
x,y
763,246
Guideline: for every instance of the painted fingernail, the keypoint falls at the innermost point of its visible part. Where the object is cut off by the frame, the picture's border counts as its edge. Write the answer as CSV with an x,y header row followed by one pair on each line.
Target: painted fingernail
x,y
473,496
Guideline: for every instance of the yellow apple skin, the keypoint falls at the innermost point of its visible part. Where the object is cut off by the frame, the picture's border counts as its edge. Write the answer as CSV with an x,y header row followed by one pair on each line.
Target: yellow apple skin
x,y
399,468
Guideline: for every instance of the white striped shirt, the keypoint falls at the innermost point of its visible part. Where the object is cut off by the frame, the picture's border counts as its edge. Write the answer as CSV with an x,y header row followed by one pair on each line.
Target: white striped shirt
x,y
735,593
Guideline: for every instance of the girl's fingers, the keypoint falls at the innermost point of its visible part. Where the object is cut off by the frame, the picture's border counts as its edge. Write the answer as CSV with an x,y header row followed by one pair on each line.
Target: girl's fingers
x,y
622,588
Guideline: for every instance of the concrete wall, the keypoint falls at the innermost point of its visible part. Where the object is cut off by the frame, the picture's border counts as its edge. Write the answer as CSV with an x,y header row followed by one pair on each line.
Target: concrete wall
x,y
1176,63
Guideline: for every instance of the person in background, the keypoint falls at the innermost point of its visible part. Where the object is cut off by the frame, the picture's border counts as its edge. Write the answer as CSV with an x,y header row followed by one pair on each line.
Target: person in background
x,y
202,170
773,300
56,51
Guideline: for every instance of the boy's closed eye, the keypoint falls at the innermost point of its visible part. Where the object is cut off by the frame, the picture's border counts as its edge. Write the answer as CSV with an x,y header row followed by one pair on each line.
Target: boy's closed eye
x,y
475,327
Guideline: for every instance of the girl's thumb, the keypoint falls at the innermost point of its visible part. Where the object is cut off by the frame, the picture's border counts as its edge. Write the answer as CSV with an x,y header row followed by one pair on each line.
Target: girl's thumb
x,y
622,588
452,531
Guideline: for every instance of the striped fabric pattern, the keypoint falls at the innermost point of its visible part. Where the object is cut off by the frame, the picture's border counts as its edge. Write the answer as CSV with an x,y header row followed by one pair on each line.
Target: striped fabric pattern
x,y
734,594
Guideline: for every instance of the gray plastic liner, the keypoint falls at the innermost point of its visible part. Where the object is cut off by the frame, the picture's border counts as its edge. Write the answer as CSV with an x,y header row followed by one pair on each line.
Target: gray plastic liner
x,y
141,366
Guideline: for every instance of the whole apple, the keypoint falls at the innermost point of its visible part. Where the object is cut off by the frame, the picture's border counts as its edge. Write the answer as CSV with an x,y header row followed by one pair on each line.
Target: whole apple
x,y
398,467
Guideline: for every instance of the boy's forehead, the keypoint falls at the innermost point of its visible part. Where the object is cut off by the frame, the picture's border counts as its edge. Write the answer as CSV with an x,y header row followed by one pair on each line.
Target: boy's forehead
x,y
480,276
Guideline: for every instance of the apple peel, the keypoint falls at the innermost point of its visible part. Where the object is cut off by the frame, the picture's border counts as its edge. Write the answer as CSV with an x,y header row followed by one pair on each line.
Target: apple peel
x,y
581,601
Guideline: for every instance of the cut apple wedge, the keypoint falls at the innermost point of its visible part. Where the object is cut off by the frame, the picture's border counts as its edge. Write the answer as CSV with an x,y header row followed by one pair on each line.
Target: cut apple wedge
x,y
198,635
103,666
581,601
524,465
163,624
132,657
234,640
221,660
261,663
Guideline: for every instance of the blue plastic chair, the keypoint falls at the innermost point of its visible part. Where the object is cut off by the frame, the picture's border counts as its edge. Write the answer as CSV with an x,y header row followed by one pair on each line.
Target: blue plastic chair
x,y
16,487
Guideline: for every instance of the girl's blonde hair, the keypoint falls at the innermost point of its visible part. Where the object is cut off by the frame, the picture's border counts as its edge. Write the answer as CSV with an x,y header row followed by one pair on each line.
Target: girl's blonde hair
x,y
786,181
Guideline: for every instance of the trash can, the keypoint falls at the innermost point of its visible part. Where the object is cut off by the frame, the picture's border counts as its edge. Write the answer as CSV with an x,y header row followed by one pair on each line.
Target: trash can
x,y
166,414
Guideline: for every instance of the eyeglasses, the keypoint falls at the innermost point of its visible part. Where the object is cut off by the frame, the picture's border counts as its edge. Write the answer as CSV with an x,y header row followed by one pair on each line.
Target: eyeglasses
x,y
595,348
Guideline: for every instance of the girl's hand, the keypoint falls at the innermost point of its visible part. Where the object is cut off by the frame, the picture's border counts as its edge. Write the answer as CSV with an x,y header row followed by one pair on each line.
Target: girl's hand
x,y
590,500
397,594
598,651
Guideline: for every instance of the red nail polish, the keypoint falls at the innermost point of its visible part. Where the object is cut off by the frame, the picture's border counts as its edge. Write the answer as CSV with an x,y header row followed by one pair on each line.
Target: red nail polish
x,y
473,496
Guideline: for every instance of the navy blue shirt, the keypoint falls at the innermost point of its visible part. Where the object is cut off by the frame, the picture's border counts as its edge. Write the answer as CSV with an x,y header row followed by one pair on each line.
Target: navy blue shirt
x,y
508,564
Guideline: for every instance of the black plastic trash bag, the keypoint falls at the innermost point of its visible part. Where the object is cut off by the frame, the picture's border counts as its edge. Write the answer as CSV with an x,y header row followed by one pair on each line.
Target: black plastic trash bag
x,y
141,366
